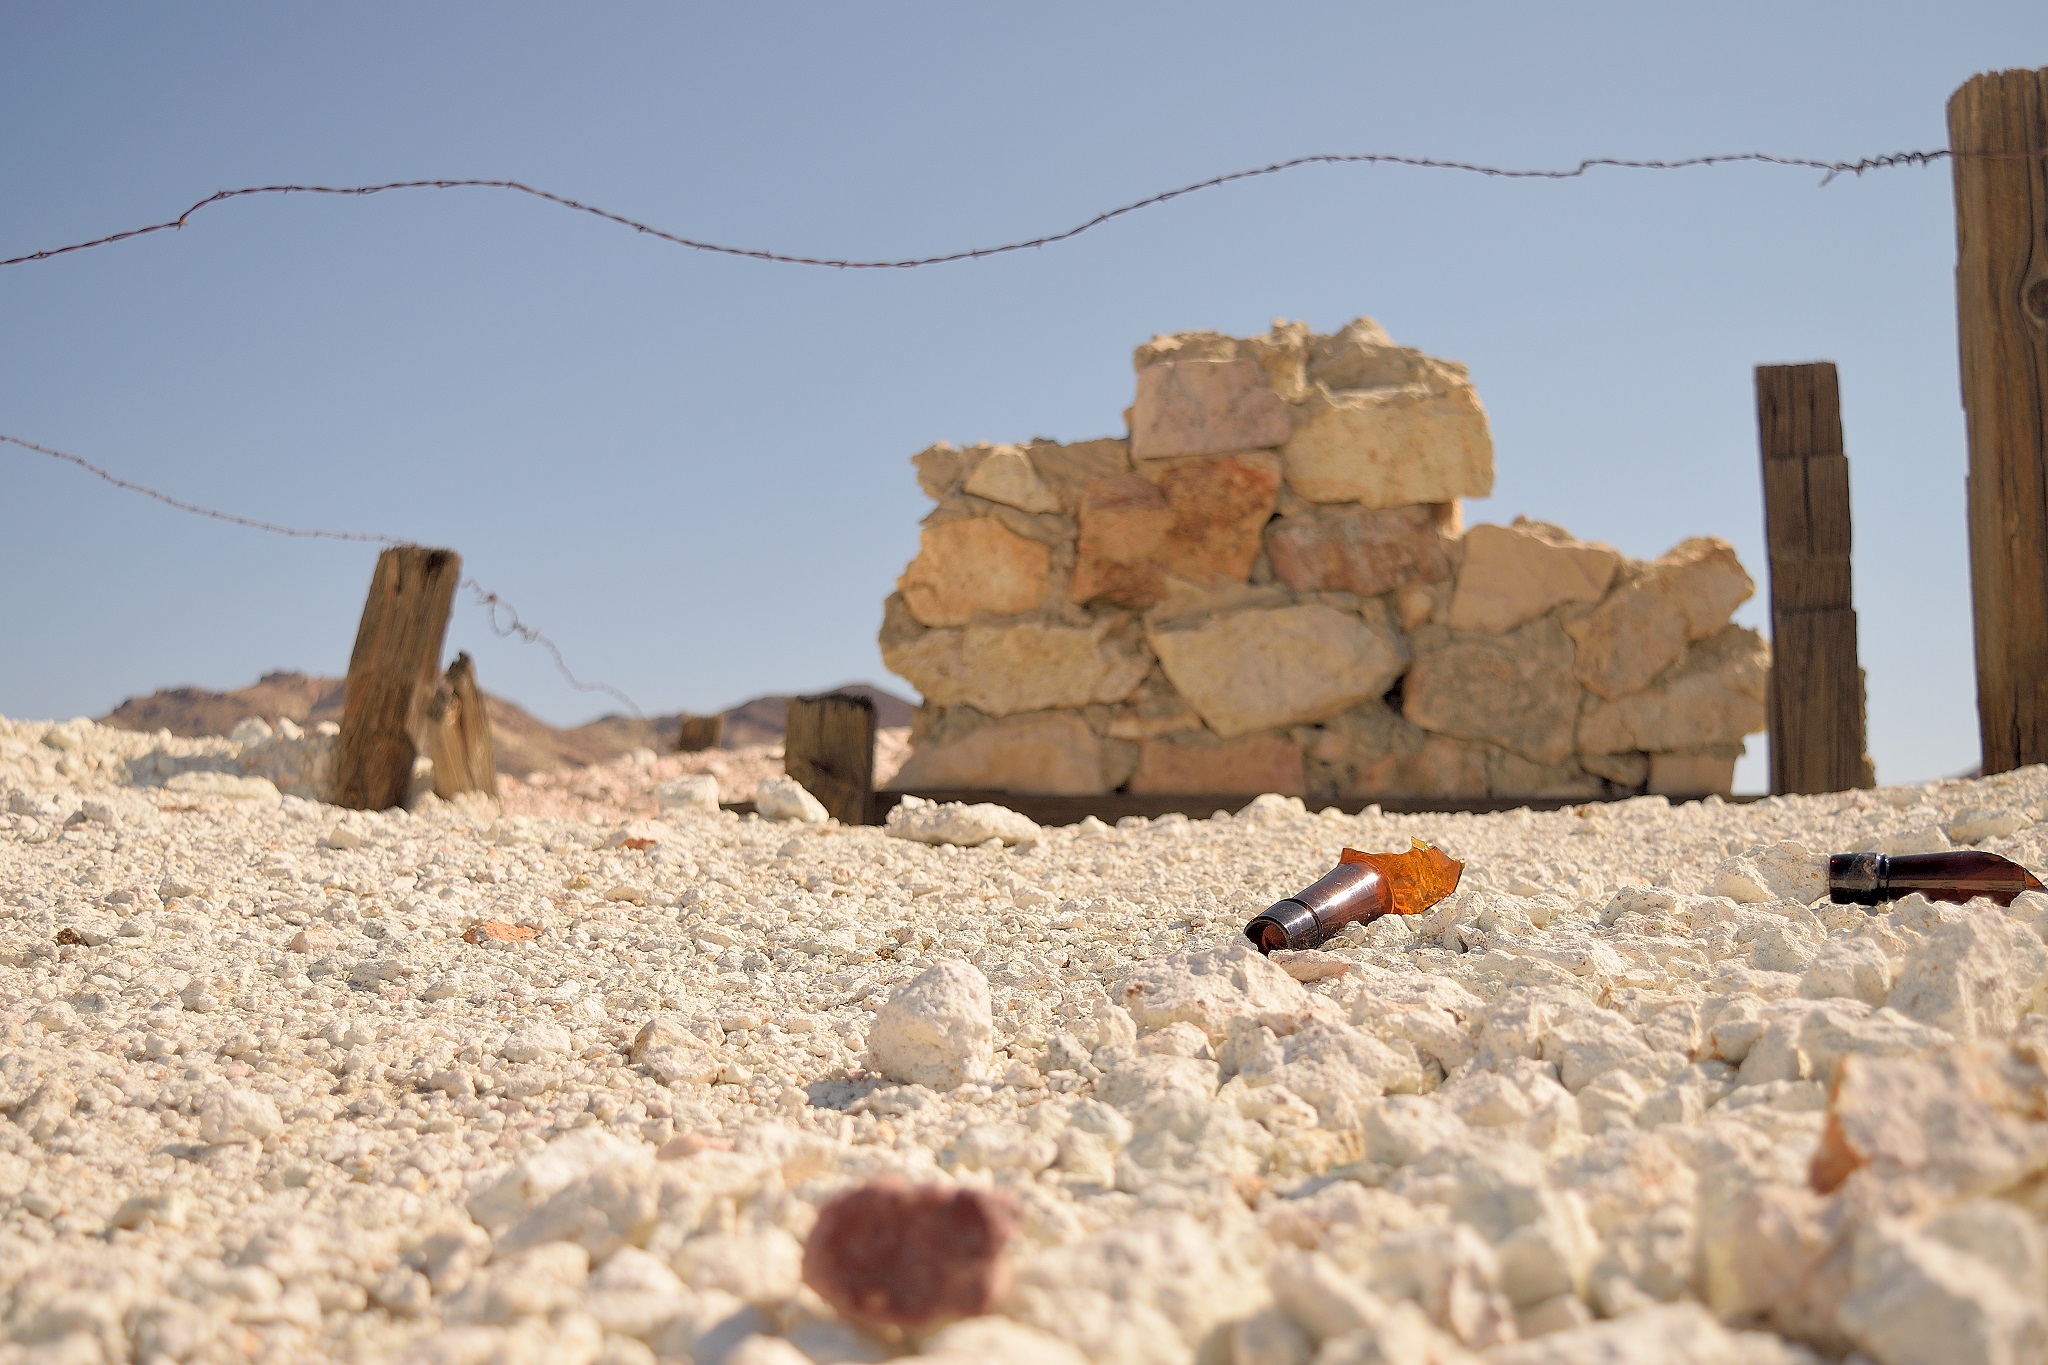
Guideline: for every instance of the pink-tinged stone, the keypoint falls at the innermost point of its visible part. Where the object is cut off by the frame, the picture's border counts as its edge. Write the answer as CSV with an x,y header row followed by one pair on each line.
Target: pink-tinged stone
x,y
1047,752
1363,550
1205,407
977,565
1248,765
1197,520
887,1255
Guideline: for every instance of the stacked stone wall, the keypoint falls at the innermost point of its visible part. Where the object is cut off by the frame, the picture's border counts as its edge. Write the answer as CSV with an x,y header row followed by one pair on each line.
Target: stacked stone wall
x,y
1267,586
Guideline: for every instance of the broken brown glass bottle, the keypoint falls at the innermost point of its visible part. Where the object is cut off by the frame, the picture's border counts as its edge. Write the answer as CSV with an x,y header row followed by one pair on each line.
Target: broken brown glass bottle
x,y
1360,889
1874,878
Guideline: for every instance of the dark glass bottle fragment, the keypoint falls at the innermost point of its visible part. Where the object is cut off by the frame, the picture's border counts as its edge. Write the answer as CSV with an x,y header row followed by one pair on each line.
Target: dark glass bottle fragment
x,y
1874,878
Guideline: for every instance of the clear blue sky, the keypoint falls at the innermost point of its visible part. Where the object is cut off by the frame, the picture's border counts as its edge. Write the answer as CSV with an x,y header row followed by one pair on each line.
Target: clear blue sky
x,y
693,471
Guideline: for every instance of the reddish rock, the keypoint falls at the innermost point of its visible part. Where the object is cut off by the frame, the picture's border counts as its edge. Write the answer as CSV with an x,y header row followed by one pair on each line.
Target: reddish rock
x,y
887,1255
1124,521
1246,766
1205,407
498,931
1363,550
1197,520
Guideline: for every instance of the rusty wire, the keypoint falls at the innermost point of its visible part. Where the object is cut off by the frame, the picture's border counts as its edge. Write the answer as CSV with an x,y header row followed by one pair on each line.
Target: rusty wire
x,y
1831,169
492,603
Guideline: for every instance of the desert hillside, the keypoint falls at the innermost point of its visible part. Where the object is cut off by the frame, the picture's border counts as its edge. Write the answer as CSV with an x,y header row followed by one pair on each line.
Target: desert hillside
x,y
525,744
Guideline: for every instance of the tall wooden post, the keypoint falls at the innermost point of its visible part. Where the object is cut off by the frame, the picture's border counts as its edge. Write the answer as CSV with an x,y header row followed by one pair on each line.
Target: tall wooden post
x,y
1816,699
391,674
459,734
1998,130
828,744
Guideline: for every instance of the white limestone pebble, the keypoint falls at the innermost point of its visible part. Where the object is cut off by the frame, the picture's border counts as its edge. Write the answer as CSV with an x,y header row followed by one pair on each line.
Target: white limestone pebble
x,y
784,798
285,1081
954,822
936,1029
697,792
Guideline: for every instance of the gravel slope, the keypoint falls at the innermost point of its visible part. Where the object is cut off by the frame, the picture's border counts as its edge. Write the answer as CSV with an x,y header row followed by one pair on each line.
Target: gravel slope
x,y
266,1100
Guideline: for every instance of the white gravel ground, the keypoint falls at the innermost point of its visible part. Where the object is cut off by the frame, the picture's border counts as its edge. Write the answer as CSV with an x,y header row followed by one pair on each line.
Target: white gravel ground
x,y
266,1102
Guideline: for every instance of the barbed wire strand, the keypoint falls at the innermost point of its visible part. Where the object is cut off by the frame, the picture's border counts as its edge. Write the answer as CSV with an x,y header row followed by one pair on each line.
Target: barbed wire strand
x,y
492,603
1831,170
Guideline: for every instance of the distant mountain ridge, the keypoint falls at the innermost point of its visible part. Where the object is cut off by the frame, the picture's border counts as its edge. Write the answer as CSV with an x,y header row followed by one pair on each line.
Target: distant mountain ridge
x,y
525,744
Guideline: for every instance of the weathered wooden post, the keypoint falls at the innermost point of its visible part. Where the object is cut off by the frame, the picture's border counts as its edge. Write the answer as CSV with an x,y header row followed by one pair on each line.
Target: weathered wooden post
x,y
391,675
1816,711
459,734
1998,131
828,744
697,733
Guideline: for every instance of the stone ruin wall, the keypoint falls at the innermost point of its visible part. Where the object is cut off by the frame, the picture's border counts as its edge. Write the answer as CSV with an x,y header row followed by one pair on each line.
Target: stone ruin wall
x,y
1267,587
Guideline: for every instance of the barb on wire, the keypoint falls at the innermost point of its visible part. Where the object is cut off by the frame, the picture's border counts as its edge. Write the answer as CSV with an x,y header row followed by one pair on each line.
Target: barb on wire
x,y
512,625
194,508
490,601
1831,169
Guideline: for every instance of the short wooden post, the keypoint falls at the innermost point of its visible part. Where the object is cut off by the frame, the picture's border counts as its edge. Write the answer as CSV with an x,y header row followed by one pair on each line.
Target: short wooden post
x,y
391,674
828,744
459,735
697,733
1816,700
1998,130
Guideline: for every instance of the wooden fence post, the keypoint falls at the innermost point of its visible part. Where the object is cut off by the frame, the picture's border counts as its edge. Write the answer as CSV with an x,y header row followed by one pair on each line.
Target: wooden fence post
x,y
1816,700
391,675
828,744
2002,316
459,735
694,734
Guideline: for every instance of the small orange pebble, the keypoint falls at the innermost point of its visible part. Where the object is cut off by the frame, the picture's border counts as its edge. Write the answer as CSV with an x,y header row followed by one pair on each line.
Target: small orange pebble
x,y
637,844
689,1144
499,931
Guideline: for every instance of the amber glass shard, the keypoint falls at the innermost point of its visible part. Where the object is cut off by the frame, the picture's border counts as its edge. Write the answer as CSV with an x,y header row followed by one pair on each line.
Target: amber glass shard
x,y
1421,877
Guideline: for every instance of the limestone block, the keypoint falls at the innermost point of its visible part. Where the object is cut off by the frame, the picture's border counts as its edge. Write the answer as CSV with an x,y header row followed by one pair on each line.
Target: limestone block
x,y
1623,770
1360,355
1030,666
1053,752
1628,640
1714,695
938,469
1511,775
1068,469
1643,627
971,566
1513,574
1706,580
1197,520
1389,447
1379,753
1006,475
1205,407
1362,550
1694,773
1258,762
1263,668
1515,689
